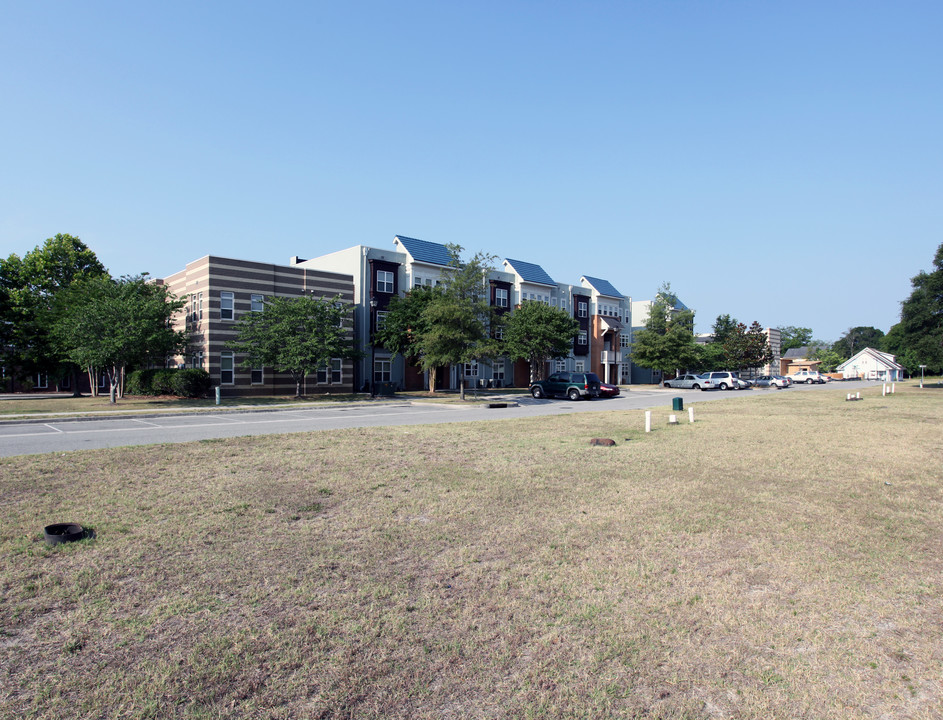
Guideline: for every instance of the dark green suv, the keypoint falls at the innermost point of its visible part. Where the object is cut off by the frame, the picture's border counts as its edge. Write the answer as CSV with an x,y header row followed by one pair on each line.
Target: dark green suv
x,y
574,385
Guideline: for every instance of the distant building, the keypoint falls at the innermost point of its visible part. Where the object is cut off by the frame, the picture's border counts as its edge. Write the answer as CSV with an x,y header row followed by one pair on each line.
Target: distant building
x,y
219,291
870,364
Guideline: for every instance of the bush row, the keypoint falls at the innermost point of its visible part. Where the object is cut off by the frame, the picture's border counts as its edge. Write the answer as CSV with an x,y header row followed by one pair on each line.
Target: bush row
x,y
190,382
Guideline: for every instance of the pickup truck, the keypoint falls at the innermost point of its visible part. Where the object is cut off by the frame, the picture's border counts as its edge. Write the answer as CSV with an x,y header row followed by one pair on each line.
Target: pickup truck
x,y
807,376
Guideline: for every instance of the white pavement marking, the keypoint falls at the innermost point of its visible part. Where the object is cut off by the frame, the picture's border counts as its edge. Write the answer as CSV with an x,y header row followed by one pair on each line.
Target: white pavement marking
x,y
48,426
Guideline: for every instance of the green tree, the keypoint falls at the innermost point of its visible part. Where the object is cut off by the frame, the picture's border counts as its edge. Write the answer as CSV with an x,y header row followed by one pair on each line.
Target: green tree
x,y
405,323
855,340
109,325
724,325
667,342
28,290
918,338
538,333
296,335
456,321
747,348
793,337
829,359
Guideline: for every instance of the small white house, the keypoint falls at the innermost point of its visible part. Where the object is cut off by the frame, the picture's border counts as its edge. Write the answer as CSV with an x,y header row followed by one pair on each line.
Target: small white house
x,y
870,364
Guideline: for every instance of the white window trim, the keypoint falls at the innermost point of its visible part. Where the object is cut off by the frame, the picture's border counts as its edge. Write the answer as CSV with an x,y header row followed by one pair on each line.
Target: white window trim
x,y
382,284
232,359
231,297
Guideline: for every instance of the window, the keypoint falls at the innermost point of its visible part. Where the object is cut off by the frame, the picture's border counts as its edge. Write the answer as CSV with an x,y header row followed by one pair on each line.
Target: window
x,y
193,316
580,366
331,373
65,383
498,368
500,297
200,305
624,340
553,301
384,281
381,318
582,310
256,376
42,381
102,381
382,371
563,303
226,306
581,338
417,282
560,365
471,369
499,332
257,303
226,369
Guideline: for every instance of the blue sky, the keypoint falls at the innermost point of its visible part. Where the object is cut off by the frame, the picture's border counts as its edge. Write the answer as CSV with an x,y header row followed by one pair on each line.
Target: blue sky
x,y
779,162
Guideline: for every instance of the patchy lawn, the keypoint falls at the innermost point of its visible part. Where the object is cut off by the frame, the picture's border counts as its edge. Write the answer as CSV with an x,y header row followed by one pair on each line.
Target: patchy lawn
x,y
776,559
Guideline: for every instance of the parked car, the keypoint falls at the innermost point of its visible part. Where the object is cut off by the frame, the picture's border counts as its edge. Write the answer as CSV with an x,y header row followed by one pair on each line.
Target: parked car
x,y
725,380
574,385
690,382
743,384
607,390
807,376
777,381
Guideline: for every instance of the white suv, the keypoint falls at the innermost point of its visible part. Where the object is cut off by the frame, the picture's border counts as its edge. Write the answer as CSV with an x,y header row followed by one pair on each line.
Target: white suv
x,y
727,380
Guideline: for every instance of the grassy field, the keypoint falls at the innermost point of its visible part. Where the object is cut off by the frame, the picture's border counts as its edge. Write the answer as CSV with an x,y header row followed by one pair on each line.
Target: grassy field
x,y
779,558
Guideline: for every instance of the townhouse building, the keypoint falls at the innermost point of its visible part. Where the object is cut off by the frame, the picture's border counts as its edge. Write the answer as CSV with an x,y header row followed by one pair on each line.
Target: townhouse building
x,y
219,291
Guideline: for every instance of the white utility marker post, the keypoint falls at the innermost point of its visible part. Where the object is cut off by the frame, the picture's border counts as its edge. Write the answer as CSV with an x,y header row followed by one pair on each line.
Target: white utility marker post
x,y
648,421
672,419
690,414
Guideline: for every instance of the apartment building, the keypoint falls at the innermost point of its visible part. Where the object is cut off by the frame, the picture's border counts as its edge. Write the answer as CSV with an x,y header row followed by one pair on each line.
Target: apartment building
x,y
220,290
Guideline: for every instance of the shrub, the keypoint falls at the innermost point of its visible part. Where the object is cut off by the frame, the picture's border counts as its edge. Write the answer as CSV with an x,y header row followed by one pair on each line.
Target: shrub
x,y
192,382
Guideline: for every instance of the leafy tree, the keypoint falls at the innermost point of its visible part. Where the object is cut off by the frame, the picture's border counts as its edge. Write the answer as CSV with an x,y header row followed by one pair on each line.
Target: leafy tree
x,y
747,348
456,320
919,336
296,335
538,333
895,343
709,357
829,359
724,325
855,340
794,337
109,325
667,342
28,290
405,323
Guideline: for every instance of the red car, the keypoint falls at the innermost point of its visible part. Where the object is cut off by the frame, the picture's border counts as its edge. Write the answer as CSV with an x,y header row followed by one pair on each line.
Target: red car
x,y
607,391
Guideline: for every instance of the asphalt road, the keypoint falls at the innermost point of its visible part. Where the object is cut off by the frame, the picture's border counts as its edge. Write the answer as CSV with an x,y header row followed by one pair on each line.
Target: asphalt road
x,y
21,437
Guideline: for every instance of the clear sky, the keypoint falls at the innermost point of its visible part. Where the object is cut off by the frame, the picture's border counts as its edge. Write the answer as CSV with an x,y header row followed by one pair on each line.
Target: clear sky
x,y
779,162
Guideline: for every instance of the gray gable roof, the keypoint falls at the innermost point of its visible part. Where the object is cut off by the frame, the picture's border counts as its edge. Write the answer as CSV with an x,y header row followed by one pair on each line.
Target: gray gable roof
x,y
530,272
802,352
425,252
603,287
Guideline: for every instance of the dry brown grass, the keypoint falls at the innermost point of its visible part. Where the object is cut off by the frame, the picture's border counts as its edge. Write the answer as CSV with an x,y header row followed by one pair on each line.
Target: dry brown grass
x,y
780,558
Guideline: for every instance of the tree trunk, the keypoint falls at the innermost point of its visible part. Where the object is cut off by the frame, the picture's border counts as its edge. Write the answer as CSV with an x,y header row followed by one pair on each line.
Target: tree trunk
x,y
74,373
93,386
432,374
461,387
